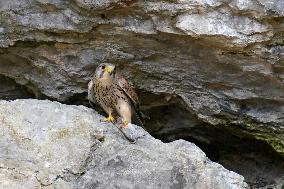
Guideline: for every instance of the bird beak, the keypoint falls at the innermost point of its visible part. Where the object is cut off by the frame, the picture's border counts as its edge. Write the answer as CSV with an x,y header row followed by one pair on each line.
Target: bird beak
x,y
109,69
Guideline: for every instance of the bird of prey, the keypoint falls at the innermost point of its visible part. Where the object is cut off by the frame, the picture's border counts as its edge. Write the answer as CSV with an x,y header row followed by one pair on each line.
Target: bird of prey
x,y
115,95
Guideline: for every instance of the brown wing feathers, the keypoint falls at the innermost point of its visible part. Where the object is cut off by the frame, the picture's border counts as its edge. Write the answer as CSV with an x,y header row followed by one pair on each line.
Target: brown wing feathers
x,y
130,92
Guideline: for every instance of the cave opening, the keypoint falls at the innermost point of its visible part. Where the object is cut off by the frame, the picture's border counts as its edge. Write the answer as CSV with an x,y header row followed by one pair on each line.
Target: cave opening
x,y
10,90
261,166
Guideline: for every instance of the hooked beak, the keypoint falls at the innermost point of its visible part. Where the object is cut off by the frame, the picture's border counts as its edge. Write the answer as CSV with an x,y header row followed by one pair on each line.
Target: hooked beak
x,y
109,69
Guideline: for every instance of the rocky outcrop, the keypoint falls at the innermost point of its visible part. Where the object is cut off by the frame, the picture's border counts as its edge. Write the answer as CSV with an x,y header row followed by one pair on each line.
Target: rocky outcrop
x,y
46,144
223,60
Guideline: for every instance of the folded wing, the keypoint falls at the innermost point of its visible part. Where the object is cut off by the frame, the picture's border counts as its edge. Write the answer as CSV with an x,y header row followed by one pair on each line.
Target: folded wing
x,y
130,92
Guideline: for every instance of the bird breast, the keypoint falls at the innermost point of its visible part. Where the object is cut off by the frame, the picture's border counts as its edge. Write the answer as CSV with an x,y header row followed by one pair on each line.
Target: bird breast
x,y
104,93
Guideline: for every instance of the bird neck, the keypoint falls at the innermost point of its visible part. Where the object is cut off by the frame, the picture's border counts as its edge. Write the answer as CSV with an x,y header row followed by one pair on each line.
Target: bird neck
x,y
106,81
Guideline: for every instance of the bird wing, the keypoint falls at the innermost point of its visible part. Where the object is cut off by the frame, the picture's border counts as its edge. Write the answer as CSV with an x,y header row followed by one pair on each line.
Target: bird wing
x,y
128,90
91,94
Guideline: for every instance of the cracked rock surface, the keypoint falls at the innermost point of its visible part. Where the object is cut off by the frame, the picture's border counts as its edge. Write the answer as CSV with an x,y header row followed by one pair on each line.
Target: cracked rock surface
x,y
224,59
46,144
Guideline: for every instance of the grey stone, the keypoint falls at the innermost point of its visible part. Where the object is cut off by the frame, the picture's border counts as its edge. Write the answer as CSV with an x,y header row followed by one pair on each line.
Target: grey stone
x,y
10,90
46,144
240,30
224,59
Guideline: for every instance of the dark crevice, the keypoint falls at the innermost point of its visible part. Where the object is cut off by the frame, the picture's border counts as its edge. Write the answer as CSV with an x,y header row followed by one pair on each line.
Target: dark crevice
x,y
10,90
257,161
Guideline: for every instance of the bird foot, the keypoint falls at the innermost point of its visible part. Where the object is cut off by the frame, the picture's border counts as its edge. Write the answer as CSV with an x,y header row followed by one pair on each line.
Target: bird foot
x,y
109,119
124,124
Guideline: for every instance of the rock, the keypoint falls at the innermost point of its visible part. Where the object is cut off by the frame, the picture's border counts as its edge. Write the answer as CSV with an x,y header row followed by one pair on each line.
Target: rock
x,y
46,144
224,60
41,141
10,90
239,30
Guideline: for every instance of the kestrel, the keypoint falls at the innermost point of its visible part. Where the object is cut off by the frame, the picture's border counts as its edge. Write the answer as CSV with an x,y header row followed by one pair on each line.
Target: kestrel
x,y
114,94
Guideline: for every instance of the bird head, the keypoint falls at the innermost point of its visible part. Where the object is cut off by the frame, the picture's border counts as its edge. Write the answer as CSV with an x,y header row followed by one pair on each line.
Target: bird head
x,y
105,70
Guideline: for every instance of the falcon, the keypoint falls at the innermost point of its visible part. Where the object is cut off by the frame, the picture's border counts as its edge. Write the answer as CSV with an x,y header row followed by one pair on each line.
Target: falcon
x,y
114,95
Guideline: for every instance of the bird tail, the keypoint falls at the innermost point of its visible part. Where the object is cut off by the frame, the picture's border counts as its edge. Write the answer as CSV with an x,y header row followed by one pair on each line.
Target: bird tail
x,y
138,119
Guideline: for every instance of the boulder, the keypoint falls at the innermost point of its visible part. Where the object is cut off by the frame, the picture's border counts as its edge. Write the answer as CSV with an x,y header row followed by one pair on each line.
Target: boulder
x,y
46,144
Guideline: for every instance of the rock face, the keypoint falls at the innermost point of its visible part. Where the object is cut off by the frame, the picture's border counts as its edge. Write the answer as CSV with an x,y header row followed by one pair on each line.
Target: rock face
x,y
223,59
10,90
46,144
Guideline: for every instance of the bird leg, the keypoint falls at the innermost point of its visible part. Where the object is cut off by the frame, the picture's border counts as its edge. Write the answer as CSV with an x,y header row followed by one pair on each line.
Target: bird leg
x,y
108,119
124,111
124,124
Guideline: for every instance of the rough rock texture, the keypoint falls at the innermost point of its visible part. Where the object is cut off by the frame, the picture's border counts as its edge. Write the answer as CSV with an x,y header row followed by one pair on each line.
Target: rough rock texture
x,y
46,144
224,59
11,90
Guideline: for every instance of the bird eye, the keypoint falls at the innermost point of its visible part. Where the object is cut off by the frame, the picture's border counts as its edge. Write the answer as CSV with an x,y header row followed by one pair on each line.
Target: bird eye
x,y
103,67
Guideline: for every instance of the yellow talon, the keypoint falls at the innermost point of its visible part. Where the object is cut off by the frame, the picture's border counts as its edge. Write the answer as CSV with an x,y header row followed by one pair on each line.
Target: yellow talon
x,y
125,124
109,119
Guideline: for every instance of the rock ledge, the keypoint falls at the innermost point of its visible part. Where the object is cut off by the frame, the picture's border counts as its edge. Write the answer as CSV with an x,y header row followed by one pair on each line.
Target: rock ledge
x,y
46,144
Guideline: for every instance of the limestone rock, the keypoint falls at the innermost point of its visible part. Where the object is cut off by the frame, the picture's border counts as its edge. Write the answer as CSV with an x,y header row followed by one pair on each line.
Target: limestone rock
x,y
223,59
46,144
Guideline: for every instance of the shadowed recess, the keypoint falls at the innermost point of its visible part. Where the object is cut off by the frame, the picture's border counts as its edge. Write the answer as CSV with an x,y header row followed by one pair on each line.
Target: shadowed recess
x,y
254,159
